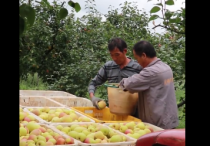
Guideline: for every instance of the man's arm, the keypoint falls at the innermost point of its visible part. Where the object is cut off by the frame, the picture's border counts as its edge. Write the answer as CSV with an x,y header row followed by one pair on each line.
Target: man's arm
x,y
99,79
137,82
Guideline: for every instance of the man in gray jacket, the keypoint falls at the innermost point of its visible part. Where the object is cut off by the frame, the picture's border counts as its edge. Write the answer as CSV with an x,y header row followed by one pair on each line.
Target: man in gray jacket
x,y
157,101
114,71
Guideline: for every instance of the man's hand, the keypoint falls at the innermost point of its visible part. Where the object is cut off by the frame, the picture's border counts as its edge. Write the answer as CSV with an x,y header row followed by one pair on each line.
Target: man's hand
x,y
95,101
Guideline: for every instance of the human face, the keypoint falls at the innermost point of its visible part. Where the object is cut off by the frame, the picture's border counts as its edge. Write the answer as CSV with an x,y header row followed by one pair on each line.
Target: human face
x,y
117,56
141,59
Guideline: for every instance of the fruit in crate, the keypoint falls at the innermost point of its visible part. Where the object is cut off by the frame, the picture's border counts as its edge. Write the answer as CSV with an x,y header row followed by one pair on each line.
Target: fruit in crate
x,y
33,134
25,117
101,104
132,129
58,115
91,133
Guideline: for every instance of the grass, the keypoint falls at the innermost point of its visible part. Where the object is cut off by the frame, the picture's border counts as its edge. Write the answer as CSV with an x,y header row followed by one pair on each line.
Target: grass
x,y
35,83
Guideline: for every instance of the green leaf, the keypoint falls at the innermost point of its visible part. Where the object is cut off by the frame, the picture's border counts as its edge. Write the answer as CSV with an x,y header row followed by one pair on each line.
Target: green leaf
x,y
172,20
28,12
63,13
76,6
153,17
169,2
21,25
159,4
47,3
155,9
178,20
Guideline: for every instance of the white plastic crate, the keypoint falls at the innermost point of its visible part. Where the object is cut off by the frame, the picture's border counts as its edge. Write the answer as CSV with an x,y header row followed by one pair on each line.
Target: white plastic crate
x,y
44,93
46,122
130,141
72,101
155,128
64,136
35,117
38,101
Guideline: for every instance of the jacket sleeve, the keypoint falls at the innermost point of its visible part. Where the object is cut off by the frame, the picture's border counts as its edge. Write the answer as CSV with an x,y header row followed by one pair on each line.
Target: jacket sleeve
x,y
98,80
137,82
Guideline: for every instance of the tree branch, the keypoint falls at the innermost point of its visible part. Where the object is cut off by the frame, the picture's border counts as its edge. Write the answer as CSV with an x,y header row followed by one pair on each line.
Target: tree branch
x,y
174,30
181,104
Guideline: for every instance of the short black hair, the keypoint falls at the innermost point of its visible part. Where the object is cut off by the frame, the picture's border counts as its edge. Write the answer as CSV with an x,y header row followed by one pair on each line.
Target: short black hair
x,y
144,47
117,43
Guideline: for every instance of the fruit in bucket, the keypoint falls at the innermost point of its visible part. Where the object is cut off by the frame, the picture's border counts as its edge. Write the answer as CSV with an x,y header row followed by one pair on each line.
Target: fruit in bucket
x,y
101,104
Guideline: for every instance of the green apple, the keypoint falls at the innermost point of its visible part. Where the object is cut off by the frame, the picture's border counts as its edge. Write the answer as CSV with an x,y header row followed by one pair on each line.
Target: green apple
x,y
39,137
41,143
91,129
66,129
56,120
73,134
21,116
98,140
147,130
22,131
30,141
99,135
81,137
141,132
31,126
105,130
79,129
130,125
141,125
74,126
135,135
86,132
59,127
58,110
66,119
51,111
52,140
116,138
91,135
123,129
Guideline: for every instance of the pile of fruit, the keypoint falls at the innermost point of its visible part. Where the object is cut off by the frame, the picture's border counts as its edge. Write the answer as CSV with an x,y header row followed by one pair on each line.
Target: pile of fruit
x,y
92,133
25,117
58,115
33,134
132,129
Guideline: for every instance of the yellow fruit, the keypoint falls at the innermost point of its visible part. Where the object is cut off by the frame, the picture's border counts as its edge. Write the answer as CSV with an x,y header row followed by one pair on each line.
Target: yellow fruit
x,y
101,104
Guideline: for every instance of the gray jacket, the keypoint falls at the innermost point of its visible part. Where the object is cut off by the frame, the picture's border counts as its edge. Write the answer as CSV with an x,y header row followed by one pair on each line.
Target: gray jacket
x,y
157,101
112,73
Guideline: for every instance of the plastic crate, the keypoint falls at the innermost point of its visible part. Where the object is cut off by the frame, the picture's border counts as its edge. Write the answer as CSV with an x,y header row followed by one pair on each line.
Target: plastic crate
x,y
46,122
64,136
44,93
35,117
38,101
72,101
130,141
155,128
104,115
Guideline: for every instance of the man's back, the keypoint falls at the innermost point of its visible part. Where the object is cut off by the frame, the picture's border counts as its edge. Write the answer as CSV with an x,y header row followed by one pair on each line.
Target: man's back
x,y
159,101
